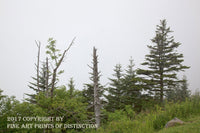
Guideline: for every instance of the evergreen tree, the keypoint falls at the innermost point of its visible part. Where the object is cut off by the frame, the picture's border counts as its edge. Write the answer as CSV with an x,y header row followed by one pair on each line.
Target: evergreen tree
x,y
163,62
131,88
1,99
173,94
88,94
41,86
114,97
1,96
71,87
185,92
180,92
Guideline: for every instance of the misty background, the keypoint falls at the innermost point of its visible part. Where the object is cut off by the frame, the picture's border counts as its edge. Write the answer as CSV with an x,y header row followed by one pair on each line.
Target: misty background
x,y
119,29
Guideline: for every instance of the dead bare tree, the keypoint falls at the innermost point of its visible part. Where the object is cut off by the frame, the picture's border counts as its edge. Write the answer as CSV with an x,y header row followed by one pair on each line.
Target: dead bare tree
x,y
58,63
47,78
97,103
38,64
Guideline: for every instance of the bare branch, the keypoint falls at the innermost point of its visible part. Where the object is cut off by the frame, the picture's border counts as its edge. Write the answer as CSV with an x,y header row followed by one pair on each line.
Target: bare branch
x,y
90,67
59,63
38,63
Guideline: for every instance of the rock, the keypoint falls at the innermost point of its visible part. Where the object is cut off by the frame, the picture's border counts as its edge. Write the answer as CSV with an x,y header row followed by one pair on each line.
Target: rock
x,y
173,122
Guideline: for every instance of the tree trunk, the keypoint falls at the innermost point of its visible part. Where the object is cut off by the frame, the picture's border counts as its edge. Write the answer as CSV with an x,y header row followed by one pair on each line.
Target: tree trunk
x,y
47,78
161,90
97,104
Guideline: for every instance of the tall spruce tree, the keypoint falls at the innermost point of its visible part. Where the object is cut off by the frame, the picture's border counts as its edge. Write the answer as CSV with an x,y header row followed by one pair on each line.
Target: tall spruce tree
x,y
163,62
114,97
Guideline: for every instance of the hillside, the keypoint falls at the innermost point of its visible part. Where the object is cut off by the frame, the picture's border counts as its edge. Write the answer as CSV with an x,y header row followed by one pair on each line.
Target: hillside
x,y
153,121
192,125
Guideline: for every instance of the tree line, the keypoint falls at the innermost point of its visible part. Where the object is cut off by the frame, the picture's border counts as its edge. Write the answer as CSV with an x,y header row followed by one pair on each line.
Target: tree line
x,y
130,88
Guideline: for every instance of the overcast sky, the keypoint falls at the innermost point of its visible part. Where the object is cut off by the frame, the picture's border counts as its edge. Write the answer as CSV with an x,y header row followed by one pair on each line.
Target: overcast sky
x,y
119,29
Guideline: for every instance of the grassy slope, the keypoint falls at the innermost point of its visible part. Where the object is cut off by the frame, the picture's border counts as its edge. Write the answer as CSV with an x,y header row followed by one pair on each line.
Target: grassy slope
x,y
154,120
190,126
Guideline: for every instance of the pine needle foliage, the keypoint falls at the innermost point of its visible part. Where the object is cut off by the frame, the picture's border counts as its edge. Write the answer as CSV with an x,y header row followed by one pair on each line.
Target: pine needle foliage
x,y
163,62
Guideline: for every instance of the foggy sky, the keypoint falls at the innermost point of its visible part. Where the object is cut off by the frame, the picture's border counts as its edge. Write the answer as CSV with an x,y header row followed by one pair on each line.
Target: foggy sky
x,y
119,29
